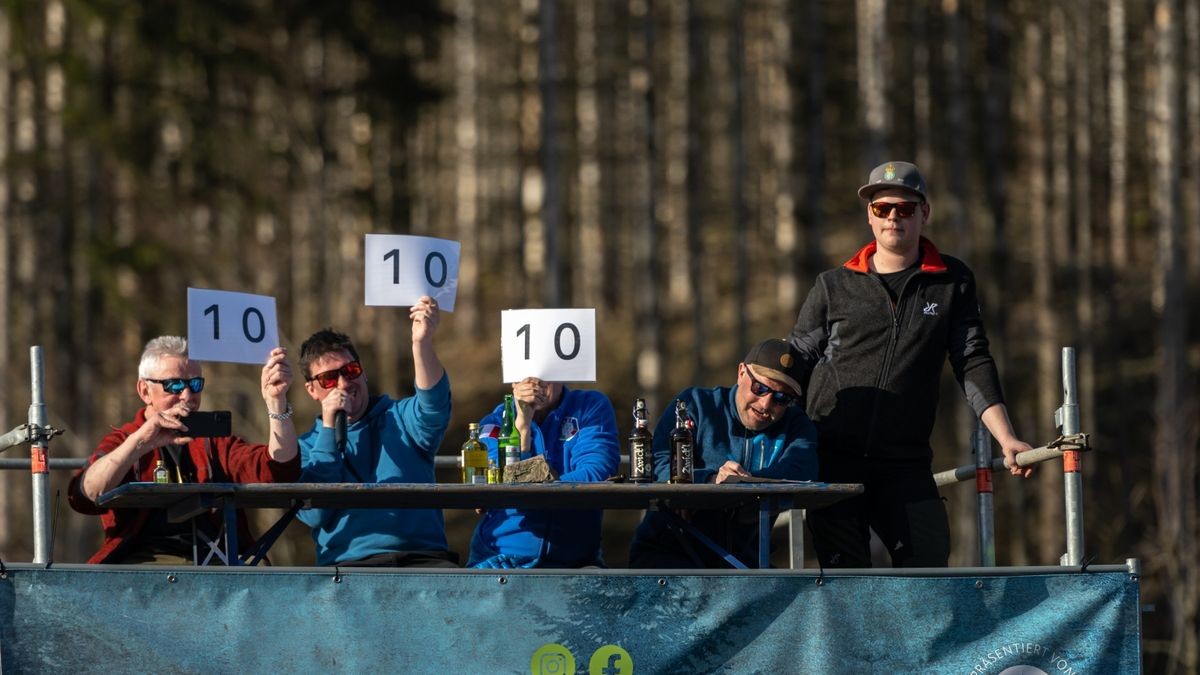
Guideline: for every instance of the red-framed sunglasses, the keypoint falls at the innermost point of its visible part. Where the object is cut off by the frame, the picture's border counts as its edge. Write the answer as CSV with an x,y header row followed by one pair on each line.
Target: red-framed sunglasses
x,y
329,378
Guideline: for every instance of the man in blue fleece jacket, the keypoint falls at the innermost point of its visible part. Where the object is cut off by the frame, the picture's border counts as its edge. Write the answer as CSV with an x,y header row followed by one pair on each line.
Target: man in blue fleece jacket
x,y
751,429
387,441
575,430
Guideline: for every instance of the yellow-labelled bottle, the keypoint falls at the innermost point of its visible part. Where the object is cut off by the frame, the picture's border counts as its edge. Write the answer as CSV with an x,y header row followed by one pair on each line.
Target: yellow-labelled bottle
x,y
161,475
474,458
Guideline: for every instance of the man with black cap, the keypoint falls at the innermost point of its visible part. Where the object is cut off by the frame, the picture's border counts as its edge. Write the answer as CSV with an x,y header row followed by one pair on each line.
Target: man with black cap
x,y
751,429
880,328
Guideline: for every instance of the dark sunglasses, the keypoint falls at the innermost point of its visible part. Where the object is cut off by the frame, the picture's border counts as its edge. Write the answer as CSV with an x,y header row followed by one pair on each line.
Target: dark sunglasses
x,y
176,385
903,209
759,389
329,378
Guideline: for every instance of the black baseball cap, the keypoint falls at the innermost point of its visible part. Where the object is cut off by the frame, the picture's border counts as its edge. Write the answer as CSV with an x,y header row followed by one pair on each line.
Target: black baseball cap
x,y
778,360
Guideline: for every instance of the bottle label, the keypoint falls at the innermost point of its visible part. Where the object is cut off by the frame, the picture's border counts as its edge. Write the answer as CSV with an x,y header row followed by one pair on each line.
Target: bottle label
x,y
638,455
683,461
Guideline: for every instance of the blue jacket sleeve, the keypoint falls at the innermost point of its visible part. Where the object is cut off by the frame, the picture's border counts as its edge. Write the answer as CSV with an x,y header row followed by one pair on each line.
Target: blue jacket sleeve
x,y
595,454
425,416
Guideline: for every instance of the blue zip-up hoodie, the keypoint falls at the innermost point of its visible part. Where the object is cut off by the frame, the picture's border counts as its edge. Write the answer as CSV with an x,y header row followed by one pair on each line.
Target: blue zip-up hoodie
x,y
787,450
579,441
394,442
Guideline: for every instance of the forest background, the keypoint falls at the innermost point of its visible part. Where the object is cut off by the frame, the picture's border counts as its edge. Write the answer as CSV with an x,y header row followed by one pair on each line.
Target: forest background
x,y
686,167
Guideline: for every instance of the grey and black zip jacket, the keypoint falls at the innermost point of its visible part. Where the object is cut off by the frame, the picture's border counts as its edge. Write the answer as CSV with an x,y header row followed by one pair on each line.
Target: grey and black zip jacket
x,y
874,390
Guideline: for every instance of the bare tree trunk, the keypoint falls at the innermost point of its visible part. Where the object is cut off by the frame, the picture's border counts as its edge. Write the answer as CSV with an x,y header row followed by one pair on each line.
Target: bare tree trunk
x,y
811,212
533,182
8,345
872,23
1191,141
1060,136
646,242
552,196
466,202
1082,214
1118,138
1050,505
589,264
740,221
922,93
997,279
693,187
952,221
1175,446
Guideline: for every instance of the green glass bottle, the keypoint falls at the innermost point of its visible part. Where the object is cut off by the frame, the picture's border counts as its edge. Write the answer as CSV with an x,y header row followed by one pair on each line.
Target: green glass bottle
x,y
510,437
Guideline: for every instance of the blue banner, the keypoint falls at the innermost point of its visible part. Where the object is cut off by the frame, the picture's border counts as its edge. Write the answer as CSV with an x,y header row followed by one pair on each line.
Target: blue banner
x,y
145,619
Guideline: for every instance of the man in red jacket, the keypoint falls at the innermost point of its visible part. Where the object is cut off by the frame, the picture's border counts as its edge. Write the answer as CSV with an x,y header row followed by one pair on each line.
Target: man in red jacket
x,y
170,385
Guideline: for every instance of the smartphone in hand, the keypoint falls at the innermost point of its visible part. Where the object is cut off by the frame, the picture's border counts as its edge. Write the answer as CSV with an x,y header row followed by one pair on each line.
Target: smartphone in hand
x,y
208,424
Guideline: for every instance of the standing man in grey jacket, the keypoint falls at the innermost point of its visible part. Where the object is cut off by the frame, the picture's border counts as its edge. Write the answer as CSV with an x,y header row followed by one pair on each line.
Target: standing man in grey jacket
x,y
880,328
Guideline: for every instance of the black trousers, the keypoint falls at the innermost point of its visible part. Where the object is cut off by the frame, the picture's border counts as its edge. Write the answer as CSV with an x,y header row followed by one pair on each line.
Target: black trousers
x,y
900,503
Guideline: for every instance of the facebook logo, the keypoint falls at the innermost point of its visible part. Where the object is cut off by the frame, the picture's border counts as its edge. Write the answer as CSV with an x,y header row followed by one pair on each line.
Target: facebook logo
x,y
610,660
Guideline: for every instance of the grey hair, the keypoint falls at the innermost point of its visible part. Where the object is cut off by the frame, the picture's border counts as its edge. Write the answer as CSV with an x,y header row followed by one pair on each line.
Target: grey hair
x,y
156,349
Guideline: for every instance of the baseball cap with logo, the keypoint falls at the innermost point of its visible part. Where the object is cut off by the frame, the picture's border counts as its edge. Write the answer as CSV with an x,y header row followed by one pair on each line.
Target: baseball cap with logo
x,y
779,360
901,175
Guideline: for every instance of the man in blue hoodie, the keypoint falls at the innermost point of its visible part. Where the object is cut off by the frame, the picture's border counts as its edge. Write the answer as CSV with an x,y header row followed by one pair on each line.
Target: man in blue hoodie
x,y
575,430
754,429
386,441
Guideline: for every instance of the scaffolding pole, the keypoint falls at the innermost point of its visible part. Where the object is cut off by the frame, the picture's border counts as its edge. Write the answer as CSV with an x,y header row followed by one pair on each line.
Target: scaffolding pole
x,y
39,466
1066,419
983,488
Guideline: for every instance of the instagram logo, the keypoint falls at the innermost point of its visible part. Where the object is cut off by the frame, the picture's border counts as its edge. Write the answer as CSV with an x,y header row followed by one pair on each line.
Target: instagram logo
x,y
552,659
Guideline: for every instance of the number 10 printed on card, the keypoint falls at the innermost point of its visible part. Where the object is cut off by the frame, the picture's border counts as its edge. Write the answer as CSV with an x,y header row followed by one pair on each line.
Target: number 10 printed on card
x,y
229,326
399,269
556,345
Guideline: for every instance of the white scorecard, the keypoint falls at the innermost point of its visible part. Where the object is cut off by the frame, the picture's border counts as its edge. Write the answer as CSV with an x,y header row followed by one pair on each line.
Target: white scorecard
x,y
230,326
400,269
556,345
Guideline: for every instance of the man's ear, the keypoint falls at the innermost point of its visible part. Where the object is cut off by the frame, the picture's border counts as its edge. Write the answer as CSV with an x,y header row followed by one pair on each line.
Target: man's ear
x,y
143,391
926,209
311,388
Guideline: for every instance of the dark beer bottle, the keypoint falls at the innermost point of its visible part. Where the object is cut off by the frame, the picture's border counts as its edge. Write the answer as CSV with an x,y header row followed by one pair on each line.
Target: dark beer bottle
x,y
641,446
682,446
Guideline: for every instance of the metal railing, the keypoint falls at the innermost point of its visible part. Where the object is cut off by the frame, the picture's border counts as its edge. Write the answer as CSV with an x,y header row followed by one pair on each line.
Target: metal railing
x,y
1067,446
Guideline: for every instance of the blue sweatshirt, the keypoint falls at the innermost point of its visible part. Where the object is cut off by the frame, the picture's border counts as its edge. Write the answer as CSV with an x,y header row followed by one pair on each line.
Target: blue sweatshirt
x,y
579,441
394,442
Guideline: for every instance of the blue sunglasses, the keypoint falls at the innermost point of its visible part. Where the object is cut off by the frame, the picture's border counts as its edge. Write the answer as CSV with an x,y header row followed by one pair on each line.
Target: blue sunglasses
x,y
176,385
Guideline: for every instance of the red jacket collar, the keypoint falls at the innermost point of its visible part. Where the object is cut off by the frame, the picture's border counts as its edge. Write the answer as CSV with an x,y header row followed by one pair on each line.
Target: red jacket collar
x,y
931,260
